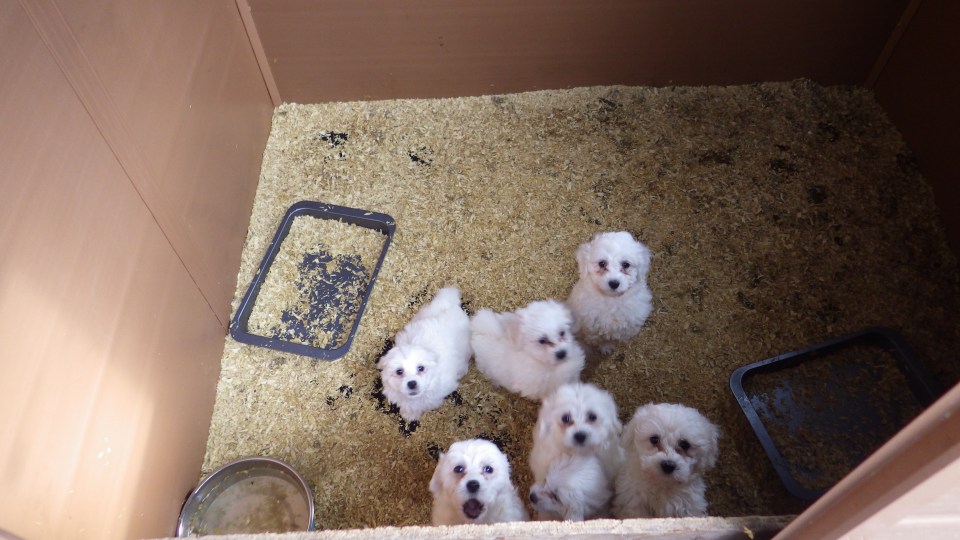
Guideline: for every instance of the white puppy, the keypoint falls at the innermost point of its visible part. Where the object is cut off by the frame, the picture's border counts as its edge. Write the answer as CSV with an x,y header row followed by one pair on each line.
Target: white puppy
x,y
471,484
429,356
611,300
668,449
574,489
531,351
578,420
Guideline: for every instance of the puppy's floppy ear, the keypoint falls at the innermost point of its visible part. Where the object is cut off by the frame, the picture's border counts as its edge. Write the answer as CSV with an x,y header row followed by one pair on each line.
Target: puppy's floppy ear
x,y
583,257
543,426
514,325
627,436
436,483
630,433
615,423
430,358
644,256
385,359
711,447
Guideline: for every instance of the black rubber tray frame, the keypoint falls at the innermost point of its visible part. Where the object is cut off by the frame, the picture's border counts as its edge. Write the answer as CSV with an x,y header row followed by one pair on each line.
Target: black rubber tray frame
x,y
921,385
363,218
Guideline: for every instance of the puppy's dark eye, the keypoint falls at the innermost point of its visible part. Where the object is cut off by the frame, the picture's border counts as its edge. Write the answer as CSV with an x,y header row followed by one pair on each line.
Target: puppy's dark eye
x,y
655,440
420,369
602,264
591,417
684,445
625,265
563,333
566,419
487,469
458,469
543,341
400,372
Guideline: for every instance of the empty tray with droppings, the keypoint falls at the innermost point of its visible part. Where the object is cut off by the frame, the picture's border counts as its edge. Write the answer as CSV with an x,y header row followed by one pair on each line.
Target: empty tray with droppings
x,y
313,284
820,411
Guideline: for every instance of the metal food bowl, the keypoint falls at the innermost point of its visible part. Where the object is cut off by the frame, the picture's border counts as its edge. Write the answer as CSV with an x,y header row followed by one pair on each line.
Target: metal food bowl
x,y
246,496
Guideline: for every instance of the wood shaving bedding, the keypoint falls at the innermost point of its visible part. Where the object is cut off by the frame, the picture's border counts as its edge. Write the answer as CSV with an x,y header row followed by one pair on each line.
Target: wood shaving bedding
x,y
778,214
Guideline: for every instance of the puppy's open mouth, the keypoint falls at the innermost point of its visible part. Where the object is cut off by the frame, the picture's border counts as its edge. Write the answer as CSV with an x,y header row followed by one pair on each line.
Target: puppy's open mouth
x,y
472,508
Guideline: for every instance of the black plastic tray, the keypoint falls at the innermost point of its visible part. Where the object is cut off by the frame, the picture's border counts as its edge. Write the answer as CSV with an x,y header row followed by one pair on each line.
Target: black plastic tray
x,y
372,220
838,415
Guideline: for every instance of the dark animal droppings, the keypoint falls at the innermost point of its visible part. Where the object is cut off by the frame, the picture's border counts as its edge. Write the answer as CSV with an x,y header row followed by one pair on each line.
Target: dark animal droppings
x,y
333,138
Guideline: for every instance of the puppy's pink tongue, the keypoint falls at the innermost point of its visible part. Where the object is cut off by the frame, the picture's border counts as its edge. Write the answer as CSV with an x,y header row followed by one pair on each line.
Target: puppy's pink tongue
x,y
472,508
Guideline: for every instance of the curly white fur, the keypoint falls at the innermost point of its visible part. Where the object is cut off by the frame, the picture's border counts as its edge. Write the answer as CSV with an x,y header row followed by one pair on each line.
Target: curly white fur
x,y
578,420
611,301
574,489
669,447
429,356
531,351
471,484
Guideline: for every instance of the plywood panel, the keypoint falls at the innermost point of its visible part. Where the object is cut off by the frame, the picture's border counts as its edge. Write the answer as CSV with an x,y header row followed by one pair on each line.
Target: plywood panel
x,y
109,351
176,92
324,50
906,489
918,87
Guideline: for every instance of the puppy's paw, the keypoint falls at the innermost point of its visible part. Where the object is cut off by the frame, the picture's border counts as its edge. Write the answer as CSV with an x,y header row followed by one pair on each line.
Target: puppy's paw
x,y
606,348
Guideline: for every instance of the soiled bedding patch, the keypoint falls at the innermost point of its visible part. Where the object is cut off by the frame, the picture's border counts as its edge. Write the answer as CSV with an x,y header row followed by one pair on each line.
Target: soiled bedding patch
x,y
779,215
315,285
828,413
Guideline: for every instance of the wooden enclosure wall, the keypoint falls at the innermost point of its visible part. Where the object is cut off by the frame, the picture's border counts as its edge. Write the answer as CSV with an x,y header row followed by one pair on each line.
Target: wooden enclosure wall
x,y
131,139
327,50
918,86
131,135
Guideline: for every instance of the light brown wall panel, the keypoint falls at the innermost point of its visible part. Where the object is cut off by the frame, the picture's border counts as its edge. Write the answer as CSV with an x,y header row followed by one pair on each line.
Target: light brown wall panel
x,y
109,347
325,50
109,350
918,87
175,90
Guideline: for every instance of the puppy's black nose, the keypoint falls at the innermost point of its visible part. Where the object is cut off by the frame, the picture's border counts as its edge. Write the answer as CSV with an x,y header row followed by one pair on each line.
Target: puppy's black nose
x,y
613,284
473,486
412,385
580,437
533,498
561,354
668,466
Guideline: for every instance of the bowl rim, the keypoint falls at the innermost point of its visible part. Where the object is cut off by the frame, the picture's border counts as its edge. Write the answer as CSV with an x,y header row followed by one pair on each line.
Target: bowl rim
x,y
223,470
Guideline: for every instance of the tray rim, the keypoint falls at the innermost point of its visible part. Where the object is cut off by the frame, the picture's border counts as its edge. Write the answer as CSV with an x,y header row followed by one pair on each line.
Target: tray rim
x,y
920,381
381,222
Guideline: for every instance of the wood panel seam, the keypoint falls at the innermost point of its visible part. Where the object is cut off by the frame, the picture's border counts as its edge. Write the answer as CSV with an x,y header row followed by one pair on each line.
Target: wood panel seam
x,y
56,35
892,42
250,28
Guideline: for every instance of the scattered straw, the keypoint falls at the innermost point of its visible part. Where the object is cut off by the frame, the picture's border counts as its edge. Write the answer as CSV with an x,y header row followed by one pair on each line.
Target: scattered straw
x,y
779,215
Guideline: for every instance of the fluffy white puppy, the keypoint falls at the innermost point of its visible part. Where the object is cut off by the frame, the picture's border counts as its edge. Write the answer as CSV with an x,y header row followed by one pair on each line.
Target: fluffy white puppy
x,y
668,449
611,300
471,484
579,420
574,489
429,356
531,351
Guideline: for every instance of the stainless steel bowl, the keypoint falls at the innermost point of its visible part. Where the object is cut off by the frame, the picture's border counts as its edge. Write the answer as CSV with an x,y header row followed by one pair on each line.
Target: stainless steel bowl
x,y
249,495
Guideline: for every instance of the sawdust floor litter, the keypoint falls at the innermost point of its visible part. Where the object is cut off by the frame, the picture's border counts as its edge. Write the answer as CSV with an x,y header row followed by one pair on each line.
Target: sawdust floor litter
x,y
779,215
